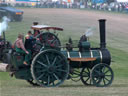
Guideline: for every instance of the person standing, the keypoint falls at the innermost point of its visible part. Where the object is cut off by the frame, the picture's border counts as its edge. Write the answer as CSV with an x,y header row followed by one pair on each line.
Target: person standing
x,y
36,32
29,41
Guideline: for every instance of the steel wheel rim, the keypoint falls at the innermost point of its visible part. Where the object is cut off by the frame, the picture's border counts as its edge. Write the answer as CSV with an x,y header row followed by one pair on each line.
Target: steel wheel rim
x,y
50,74
75,75
102,75
32,82
85,76
44,39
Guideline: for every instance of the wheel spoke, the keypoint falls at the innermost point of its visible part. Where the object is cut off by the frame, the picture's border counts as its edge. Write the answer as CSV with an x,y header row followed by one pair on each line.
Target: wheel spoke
x,y
47,59
56,42
46,39
108,75
77,73
85,72
104,81
88,70
41,63
52,42
103,69
85,75
40,76
106,71
48,80
56,77
87,79
61,70
54,60
59,66
60,60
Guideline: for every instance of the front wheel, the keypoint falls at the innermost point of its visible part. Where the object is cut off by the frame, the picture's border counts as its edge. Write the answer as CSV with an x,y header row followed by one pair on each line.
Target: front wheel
x,y
102,75
85,76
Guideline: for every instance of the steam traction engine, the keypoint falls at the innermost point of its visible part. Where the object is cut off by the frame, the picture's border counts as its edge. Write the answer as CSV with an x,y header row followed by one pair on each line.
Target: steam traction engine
x,y
51,65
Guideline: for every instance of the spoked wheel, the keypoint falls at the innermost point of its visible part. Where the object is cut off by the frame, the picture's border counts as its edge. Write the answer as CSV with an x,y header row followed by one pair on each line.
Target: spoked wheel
x,y
85,76
32,82
102,75
6,58
49,39
49,68
75,74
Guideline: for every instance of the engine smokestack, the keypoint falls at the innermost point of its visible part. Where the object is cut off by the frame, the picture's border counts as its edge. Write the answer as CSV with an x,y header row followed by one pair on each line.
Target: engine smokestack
x,y
102,33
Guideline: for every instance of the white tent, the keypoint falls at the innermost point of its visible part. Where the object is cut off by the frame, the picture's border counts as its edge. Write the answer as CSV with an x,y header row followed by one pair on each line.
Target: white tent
x,y
122,0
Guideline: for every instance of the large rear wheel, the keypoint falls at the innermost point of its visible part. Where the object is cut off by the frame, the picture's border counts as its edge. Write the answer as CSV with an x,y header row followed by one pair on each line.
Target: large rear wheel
x,y
6,58
32,82
49,68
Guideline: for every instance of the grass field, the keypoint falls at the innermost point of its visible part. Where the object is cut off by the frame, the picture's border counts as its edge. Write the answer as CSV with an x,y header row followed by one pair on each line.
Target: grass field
x,y
74,22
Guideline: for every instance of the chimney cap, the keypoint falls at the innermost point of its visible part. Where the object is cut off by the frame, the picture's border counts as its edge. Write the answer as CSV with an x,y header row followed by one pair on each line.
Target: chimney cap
x,y
35,23
102,19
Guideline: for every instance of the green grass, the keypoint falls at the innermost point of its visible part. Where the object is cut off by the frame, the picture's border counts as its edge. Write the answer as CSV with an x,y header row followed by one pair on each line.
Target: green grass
x,y
15,87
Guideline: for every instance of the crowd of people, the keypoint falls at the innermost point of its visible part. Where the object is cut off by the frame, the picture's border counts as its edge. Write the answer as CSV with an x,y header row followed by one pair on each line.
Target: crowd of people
x,y
111,6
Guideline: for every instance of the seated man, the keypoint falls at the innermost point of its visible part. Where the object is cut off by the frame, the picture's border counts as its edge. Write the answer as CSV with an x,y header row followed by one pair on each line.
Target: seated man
x,y
21,49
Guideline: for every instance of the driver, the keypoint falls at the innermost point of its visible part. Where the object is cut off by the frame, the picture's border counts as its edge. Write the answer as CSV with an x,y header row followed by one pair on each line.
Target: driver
x,y
20,48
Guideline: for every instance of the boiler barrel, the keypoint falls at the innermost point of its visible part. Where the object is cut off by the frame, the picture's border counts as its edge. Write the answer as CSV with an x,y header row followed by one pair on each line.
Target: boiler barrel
x,y
102,56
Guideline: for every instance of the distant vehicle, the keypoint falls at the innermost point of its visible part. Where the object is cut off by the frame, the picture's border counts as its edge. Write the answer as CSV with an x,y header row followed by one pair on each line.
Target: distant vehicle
x,y
12,13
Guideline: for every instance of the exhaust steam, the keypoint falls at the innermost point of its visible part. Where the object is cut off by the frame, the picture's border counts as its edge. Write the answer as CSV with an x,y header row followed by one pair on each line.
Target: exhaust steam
x,y
89,32
4,24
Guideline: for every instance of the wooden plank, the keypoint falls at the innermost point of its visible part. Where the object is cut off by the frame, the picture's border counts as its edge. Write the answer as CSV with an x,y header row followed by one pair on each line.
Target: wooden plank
x,y
82,59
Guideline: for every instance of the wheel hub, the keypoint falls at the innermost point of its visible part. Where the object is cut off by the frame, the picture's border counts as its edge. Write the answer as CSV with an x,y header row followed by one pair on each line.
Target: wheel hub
x,y
51,69
102,75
